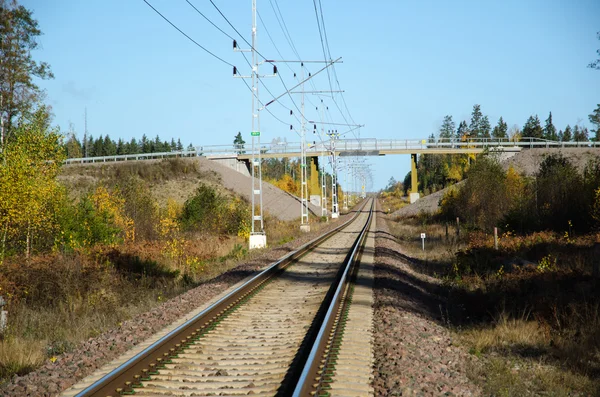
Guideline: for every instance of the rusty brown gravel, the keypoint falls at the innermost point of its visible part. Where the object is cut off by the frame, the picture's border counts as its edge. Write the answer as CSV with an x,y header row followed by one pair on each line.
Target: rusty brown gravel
x,y
53,378
415,354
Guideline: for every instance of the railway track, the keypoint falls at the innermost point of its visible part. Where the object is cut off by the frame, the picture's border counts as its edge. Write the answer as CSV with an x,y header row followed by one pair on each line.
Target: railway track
x,y
281,333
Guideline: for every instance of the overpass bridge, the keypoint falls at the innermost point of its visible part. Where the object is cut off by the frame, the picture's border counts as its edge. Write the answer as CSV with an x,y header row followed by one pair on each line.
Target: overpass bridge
x,y
234,154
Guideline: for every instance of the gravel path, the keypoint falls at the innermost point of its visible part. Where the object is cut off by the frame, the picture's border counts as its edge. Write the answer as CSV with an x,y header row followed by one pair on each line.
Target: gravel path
x,y
53,378
414,353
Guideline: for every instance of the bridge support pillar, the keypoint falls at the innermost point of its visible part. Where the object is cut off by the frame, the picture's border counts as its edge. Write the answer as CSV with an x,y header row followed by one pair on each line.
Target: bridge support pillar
x,y
315,186
414,181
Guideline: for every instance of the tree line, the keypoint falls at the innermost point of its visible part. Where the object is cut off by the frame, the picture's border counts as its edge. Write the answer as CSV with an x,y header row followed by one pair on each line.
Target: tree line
x,y
480,127
105,146
436,172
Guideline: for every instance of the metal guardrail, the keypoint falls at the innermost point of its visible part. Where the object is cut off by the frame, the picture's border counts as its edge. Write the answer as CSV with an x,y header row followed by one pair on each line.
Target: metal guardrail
x,y
343,145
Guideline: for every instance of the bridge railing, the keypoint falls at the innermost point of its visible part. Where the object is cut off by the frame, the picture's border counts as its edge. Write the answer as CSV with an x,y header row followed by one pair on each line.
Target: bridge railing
x,y
342,145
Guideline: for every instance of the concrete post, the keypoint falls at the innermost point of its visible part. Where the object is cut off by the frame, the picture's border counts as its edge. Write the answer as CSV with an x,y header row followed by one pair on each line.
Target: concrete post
x,y
414,184
496,238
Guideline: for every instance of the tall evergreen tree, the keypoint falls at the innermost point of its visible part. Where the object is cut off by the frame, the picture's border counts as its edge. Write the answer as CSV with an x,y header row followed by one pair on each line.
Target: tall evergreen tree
x,y
580,134
533,128
238,143
595,120
568,134
447,128
561,136
500,130
463,130
179,145
475,127
550,129
485,127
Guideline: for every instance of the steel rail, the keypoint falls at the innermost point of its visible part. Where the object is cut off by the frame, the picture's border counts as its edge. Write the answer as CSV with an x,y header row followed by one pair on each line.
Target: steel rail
x,y
308,383
124,378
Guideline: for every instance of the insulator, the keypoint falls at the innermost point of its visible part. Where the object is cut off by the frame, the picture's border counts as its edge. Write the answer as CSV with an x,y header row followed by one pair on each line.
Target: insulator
x,y
234,44
274,69
291,128
294,75
234,70
302,64
315,127
309,74
291,112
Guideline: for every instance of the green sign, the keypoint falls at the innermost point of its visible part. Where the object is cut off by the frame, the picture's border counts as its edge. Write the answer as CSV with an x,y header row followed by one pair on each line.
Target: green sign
x,y
255,133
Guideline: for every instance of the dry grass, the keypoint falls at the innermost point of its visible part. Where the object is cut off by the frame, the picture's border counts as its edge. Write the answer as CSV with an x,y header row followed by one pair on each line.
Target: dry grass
x,y
20,356
440,249
515,361
546,339
391,203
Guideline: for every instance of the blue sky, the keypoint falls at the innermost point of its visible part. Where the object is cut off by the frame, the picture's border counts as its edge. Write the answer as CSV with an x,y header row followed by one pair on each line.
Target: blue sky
x,y
406,64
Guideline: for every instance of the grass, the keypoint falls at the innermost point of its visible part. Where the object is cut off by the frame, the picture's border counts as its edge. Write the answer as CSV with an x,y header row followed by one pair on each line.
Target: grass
x,y
440,248
530,310
56,301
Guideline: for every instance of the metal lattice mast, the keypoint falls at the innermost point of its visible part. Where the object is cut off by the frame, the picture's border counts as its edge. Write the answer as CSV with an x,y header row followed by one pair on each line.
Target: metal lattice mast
x,y
303,182
323,179
346,187
335,213
258,238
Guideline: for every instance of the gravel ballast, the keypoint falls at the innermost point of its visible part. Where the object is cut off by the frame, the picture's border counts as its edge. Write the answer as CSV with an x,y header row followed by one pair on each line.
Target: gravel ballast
x,y
54,377
415,353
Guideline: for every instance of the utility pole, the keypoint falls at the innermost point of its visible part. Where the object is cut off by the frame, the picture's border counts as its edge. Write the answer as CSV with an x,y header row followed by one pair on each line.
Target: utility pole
x,y
304,226
258,237
323,179
335,213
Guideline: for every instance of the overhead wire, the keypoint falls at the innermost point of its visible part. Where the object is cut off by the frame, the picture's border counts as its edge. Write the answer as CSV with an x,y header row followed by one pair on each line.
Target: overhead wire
x,y
188,37
244,55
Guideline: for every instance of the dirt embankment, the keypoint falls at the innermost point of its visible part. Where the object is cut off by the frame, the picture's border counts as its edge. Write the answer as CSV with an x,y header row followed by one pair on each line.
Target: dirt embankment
x,y
177,179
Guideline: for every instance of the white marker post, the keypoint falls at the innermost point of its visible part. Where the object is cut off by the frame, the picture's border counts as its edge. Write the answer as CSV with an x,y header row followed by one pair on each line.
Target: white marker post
x,y
423,240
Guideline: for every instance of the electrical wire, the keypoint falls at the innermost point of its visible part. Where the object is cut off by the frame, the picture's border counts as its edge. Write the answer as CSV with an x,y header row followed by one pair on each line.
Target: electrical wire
x,y
233,27
188,37
209,21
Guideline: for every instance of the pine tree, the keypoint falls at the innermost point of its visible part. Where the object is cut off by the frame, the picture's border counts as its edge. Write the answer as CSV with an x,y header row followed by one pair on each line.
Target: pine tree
x,y
595,119
550,129
110,147
173,145
485,127
561,136
476,119
145,146
447,128
580,134
567,135
179,145
463,130
238,143
121,149
134,148
500,129
533,128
